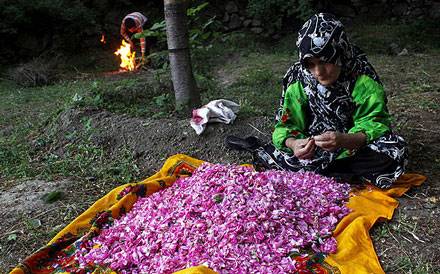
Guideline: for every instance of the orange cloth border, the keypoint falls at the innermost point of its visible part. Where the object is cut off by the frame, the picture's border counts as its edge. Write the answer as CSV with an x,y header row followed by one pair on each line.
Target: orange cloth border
x,y
355,253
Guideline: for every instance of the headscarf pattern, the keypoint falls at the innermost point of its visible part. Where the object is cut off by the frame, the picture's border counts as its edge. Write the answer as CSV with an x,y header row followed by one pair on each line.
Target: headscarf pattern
x,y
323,36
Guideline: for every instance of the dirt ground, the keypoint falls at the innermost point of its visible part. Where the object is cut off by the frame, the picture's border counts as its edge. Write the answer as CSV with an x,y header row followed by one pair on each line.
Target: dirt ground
x,y
410,241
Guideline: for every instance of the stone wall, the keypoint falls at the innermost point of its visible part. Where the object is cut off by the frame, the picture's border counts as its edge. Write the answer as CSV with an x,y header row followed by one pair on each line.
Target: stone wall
x,y
400,9
235,17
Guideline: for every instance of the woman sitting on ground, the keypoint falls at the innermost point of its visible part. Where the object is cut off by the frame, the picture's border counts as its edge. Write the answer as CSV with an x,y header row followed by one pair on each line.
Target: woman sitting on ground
x,y
333,117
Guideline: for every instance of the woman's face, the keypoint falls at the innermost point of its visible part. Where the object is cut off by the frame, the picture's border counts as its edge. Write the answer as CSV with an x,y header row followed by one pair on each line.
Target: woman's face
x,y
325,73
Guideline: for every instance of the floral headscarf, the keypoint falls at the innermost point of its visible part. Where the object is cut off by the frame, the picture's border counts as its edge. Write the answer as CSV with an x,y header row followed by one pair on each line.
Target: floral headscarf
x,y
330,108
323,36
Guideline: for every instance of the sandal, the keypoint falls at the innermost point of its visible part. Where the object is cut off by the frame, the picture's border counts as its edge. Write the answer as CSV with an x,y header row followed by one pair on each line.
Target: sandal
x,y
249,144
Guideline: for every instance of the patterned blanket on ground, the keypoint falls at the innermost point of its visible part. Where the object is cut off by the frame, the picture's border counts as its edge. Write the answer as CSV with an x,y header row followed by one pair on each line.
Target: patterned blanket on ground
x,y
355,253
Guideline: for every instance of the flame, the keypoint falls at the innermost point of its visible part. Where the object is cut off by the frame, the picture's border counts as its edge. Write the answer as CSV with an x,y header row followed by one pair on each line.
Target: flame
x,y
127,57
103,39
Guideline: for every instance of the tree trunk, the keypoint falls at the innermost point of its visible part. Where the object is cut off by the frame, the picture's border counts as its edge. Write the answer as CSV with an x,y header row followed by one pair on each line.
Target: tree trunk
x,y
186,92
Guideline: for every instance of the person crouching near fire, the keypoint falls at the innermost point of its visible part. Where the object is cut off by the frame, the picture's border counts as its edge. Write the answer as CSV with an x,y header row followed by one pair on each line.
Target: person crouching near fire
x,y
131,24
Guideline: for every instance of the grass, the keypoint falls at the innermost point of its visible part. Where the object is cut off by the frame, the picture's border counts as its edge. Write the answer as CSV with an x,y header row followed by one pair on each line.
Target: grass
x,y
22,136
142,96
405,233
82,158
22,112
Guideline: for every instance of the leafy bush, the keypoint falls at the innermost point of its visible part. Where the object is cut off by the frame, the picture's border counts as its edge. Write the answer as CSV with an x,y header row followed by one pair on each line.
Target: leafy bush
x,y
200,29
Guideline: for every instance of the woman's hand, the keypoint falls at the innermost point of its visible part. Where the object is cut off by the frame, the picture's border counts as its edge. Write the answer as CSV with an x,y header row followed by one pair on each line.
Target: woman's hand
x,y
332,140
329,140
132,46
302,148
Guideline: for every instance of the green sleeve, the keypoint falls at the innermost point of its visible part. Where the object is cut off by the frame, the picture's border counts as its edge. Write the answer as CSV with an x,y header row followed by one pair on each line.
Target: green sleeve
x,y
293,120
371,115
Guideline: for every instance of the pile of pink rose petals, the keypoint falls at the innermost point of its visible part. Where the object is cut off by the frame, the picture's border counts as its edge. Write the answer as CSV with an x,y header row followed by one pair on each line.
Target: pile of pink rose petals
x,y
227,217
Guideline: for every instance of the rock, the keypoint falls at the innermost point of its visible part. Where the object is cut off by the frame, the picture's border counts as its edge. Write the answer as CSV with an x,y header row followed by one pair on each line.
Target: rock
x,y
357,3
394,49
226,18
247,23
417,12
235,22
403,52
378,10
363,9
256,22
276,36
257,30
231,7
343,10
434,11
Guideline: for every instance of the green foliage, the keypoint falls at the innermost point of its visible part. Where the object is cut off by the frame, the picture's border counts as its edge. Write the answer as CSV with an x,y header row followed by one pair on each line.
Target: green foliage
x,y
52,197
241,68
273,12
305,9
159,61
12,237
194,11
254,90
157,30
202,33
200,29
162,100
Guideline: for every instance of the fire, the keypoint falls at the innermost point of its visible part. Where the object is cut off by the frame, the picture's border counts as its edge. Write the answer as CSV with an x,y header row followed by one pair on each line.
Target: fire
x,y
103,39
127,57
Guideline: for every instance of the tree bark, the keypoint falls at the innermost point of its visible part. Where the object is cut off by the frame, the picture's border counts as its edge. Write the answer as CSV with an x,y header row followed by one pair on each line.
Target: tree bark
x,y
185,89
